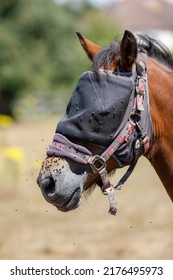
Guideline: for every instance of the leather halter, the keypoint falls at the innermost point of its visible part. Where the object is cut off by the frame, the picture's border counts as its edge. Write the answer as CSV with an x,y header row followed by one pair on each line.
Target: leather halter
x,y
61,146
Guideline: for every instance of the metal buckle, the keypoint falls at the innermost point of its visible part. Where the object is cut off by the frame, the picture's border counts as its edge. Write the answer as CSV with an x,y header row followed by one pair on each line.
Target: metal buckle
x,y
97,163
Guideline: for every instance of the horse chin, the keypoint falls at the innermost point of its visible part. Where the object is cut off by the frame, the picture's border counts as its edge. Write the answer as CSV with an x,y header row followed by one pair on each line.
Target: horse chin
x,y
72,202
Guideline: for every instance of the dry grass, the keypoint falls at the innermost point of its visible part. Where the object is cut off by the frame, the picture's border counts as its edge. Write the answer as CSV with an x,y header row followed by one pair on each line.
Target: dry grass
x,y
30,228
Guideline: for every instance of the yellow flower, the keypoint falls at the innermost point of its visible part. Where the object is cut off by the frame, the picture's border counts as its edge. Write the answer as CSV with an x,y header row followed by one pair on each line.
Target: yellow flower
x,y
5,121
15,154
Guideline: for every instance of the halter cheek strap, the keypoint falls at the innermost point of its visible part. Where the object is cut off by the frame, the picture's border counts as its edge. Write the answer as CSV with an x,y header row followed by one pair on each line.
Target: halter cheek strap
x,y
98,162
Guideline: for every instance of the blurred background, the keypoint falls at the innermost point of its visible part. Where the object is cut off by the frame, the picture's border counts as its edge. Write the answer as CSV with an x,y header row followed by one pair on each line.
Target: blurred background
x,y
40,63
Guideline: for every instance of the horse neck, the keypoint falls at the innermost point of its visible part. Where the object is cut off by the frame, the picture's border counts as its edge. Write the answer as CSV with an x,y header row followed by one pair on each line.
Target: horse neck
x,y
161,107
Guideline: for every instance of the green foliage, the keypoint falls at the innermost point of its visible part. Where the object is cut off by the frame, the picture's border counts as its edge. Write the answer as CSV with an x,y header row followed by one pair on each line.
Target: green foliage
x,y
38,47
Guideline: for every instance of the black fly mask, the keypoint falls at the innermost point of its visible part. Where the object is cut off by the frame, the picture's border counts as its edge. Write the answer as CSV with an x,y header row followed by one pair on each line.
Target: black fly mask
x,y
97,107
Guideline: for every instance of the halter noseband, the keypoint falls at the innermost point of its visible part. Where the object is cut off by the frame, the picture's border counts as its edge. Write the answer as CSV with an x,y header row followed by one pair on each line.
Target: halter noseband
x,y
61,146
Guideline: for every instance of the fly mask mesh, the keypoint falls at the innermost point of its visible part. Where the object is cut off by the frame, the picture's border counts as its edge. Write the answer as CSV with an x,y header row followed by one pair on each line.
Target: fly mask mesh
x,y
97,107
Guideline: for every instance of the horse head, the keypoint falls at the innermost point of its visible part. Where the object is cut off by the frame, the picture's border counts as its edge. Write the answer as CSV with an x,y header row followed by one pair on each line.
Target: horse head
x,y
107,125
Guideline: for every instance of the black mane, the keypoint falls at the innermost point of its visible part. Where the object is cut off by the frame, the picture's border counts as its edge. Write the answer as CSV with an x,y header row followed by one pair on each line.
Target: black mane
x,y
154,48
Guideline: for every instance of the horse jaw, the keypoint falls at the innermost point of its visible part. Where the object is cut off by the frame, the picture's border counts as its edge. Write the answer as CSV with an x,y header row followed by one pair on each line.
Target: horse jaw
x,y
61,182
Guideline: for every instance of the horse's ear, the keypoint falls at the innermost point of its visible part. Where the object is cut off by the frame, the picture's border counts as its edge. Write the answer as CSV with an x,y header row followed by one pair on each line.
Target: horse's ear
x,y
128,51
89,47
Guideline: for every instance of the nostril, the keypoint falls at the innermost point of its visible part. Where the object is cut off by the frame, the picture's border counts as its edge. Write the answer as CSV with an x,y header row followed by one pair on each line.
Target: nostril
x,y
48,185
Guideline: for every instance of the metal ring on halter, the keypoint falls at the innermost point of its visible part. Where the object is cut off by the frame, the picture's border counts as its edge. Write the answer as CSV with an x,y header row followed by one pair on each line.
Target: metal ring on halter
x,y
134,118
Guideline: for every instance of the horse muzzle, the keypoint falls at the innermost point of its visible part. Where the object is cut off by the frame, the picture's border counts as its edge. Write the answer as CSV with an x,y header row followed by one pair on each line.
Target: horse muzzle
x,y
59,185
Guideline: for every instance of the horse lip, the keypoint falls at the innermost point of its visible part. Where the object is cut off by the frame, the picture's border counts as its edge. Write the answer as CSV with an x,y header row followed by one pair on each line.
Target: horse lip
x,y
72,203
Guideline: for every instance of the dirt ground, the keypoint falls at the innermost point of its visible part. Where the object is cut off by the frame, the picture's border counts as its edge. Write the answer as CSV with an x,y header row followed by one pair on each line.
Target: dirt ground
x,y
30,228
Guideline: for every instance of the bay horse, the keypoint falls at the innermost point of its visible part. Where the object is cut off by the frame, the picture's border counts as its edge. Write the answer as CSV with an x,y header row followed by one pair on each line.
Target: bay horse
x,y
120,110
